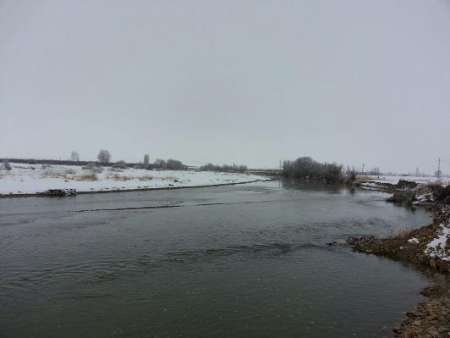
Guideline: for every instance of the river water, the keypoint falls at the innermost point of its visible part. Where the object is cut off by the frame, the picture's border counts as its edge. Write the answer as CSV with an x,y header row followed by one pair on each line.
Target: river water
x,y
238,261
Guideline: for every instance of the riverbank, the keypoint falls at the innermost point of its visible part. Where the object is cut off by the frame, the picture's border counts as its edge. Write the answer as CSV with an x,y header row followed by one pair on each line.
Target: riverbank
x,y
25,180
426,248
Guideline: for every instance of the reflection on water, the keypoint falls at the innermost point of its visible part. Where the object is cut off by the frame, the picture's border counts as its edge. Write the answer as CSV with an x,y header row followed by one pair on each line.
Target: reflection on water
x,y
232,261
290,183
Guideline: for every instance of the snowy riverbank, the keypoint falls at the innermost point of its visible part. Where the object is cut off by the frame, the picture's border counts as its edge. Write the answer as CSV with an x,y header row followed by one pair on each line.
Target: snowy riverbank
x,y
417,179
428,246
429,192
24,179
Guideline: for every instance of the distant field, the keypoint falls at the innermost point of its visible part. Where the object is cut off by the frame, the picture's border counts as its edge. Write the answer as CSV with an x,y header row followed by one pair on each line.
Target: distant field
x,y
417,179
36,178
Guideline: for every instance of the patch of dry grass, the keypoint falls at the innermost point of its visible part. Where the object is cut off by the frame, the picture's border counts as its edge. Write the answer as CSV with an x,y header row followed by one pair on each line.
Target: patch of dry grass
x,y
145,178
123,178
120,178
402,233
169,178
86,177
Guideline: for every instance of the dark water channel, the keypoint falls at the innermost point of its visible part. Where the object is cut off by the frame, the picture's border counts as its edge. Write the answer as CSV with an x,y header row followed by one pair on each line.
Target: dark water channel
x,y
239,261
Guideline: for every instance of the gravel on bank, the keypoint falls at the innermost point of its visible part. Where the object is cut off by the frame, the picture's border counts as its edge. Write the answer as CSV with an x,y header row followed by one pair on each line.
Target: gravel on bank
x,y
427,248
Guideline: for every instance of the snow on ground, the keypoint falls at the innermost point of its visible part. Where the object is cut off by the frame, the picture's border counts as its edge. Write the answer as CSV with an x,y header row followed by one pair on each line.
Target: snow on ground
x,y
413,240
438,246
417,179
35,178
370,186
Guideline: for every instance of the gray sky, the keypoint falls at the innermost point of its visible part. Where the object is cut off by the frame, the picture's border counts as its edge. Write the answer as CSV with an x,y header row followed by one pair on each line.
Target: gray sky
x,y
249,82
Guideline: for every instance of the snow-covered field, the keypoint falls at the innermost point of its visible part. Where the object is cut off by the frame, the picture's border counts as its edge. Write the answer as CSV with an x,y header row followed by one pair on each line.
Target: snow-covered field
x,y
417,179
36,178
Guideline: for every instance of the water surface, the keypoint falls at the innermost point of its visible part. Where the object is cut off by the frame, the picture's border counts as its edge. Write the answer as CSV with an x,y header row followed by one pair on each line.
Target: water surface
x,y
244,261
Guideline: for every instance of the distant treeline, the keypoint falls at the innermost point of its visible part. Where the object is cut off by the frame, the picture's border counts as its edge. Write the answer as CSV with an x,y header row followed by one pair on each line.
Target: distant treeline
x,y
170,164
307,169
50,162
225,168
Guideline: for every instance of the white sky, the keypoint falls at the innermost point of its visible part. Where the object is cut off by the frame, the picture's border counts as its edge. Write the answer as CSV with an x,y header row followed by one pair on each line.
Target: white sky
x,y
249,82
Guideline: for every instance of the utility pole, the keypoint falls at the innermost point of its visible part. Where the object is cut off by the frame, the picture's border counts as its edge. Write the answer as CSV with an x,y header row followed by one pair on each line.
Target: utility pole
x,y
438,172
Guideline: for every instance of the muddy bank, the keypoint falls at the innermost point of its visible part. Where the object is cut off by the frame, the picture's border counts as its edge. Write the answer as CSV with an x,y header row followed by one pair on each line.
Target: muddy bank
x,y
411,246
430,318
427,248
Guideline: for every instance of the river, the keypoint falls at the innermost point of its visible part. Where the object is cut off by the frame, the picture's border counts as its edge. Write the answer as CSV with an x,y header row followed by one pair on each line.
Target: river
x,y
237,261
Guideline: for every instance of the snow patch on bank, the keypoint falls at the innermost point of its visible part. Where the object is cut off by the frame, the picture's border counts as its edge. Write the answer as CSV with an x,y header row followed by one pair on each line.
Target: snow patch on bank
x,y
413,240
438,246
36,178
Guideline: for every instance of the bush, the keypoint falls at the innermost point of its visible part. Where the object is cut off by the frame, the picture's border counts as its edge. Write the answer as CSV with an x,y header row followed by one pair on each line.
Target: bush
x,y
159,164
170,164
69,172
93,167
350,175
120,165
175,165
224,168
87,177
104,156
307,168
74,156
441,194
6,165
146,160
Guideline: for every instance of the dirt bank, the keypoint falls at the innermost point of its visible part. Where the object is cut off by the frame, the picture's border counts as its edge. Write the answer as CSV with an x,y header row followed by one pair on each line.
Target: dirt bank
x,y
411,246
427,248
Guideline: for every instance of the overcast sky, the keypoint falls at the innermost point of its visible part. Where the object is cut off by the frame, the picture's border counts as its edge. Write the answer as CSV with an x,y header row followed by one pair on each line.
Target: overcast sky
x,y
249,82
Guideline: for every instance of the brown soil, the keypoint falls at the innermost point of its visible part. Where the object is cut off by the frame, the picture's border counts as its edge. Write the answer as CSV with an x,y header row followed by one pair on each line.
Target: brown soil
x,y
432,317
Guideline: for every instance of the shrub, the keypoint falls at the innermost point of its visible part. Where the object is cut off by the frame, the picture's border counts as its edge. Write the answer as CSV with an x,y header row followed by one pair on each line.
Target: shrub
x,y
175,165
402,233
6,165
159,164
170,164
104,156
93,167
86,177
224,168
307,168
74,156
440,193
69,172
120,164
146,160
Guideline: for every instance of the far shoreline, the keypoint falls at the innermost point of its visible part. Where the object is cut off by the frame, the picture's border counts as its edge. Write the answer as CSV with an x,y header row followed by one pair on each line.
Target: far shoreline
x,y
44,194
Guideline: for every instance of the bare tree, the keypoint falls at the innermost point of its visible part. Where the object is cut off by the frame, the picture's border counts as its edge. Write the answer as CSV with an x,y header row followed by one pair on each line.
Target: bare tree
x,y
6,165
104,156
160,164
120,164
75,156
224,168
175,165
307,168
146,160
